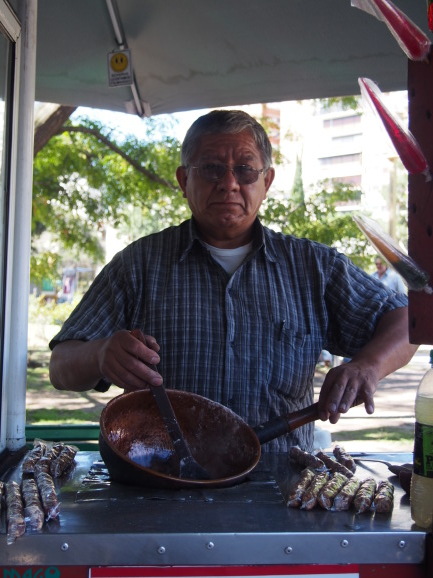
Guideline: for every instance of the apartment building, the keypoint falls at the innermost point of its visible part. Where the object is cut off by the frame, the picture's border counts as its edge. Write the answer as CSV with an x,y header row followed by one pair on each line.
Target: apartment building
x,y
336,144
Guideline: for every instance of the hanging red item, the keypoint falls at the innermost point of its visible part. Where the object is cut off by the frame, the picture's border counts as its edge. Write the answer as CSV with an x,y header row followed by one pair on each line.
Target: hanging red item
x,y
412,40
430,14
414,277
405,144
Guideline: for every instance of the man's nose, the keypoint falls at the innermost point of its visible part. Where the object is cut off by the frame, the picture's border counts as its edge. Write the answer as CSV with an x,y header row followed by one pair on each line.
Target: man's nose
x,y
229,180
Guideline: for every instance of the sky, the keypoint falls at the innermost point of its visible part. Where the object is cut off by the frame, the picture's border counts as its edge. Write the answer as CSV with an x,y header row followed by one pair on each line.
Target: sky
x,y
130,124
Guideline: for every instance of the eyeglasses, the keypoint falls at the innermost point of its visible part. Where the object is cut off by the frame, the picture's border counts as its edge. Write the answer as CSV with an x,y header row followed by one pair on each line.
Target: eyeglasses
x,y
212,172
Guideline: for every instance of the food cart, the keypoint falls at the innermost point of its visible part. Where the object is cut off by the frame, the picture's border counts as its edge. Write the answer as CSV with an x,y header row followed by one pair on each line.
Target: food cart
x,y
255,51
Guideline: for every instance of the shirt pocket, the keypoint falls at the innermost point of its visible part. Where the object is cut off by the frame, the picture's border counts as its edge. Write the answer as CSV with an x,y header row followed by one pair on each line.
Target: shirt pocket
x,y
292,361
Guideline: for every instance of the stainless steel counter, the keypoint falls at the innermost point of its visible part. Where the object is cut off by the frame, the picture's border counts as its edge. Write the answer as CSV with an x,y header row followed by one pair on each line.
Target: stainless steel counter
x,y
103,523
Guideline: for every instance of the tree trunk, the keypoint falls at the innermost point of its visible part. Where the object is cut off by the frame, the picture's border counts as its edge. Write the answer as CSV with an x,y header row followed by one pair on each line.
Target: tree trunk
x,y
48,120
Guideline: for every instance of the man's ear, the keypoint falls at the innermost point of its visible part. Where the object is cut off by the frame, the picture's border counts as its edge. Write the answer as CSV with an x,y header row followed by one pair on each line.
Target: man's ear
x,y
182,177
269,177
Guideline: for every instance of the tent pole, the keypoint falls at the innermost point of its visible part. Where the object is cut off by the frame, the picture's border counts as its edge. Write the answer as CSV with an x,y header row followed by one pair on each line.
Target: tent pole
x,y
16,315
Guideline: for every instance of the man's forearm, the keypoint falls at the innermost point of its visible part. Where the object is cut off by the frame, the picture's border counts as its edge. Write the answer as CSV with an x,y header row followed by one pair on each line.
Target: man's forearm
x,y
74,365
389,349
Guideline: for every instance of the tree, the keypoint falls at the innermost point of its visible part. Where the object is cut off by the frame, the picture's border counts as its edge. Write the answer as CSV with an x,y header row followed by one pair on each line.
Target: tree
x,y
321,218
86,178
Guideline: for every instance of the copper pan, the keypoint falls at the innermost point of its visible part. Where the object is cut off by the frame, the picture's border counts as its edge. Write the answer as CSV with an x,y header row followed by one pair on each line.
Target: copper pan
x,y
137,449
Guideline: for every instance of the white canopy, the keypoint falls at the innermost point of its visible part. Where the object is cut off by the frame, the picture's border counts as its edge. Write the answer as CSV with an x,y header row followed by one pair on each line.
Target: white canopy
x,y
191,54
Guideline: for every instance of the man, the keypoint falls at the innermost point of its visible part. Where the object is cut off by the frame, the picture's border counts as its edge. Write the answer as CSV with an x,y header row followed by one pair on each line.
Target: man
x,y
388,277
230,309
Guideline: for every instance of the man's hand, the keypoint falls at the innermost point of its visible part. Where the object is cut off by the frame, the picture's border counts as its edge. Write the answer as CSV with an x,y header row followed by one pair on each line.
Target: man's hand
x,y
124,360
342,386
387,351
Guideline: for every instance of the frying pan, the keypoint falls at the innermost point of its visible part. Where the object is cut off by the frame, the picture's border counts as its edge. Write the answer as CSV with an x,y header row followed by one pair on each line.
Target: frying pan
x,y
137,449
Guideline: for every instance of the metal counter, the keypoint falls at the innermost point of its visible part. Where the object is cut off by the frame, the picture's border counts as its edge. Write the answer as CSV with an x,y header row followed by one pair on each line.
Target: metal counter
x,y
104,523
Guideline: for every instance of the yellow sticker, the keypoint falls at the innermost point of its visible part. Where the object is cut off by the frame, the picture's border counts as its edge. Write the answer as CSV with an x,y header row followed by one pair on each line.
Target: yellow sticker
x,y
120,68
119,61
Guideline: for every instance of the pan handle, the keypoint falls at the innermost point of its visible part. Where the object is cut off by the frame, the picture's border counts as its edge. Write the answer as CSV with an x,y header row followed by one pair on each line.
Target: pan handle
x,y
284,424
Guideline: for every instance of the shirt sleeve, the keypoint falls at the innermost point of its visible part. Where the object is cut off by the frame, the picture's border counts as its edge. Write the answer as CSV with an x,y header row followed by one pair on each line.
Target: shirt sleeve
x,y
106,307
356,301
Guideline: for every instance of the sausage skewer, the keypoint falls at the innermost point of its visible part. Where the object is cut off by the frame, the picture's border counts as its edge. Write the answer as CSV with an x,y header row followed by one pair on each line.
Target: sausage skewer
x,y
365,495
295,497
330,490
16,525
311,495
344,458
383,500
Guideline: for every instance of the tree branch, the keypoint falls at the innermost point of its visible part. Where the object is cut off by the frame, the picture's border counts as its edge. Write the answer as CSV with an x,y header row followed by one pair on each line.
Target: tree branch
x,y
137,166
48,120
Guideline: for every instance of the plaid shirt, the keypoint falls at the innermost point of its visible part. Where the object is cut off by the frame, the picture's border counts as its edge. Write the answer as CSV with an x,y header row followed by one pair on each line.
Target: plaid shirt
x,y
249,341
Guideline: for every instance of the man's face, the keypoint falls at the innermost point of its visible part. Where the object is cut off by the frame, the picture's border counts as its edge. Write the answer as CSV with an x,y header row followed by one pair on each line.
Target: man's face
x,y
380,266
225,209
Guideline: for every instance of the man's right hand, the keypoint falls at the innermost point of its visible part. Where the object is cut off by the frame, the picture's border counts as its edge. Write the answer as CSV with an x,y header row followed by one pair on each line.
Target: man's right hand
x,y
122,359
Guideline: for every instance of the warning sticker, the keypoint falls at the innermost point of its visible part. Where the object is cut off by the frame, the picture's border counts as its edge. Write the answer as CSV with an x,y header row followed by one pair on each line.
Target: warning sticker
x,y
119,68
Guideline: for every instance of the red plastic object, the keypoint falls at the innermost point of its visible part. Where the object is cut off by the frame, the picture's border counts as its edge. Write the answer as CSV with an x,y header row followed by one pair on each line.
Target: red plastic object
x,y
406,146
430,14
412,40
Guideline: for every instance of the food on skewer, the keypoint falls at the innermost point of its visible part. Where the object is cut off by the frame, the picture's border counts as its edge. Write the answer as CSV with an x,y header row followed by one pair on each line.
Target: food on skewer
x,y
33,510
330,490
47,491
63,462
310,497
365,495
346,495
295,497
16,525
55,451
333,465
383,500
33,456
337,492
43,465
305,459
344,458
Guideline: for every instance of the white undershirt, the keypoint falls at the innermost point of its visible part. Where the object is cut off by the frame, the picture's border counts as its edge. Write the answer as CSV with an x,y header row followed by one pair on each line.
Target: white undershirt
x,y
229,259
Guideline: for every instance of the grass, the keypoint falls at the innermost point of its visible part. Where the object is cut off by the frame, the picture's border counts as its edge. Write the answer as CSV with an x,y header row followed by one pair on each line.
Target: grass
x,y
38,381
55,416
394,434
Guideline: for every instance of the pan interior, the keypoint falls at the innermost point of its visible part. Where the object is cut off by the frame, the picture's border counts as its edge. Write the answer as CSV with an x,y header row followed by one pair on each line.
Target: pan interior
x,y
219,440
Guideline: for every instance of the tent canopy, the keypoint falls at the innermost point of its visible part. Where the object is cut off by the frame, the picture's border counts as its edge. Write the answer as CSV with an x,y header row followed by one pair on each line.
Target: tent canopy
x,y
192,54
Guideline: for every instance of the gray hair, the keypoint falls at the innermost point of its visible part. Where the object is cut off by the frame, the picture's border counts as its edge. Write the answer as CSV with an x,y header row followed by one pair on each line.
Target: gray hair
x,y
225,122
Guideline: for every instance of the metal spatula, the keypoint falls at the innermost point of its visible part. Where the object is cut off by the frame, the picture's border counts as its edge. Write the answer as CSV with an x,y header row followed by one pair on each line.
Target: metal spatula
x,y
188,467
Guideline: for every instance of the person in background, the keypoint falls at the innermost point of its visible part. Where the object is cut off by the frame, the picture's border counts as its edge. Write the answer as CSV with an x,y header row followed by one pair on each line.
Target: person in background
x,y
230,309
388,277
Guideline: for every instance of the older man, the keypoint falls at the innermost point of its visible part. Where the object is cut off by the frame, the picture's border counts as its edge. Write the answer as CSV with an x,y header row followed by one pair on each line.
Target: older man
x,y
230,309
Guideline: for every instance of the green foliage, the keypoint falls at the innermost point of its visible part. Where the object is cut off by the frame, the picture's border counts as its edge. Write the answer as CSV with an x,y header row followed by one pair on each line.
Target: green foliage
x,y
342,102
50,313
87,177
44,266
322,218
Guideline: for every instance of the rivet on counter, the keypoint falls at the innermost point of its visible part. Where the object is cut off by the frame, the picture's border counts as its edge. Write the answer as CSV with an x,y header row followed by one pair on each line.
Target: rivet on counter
x,y
402,544
210,545
64,547
344,543
161,550
288,550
